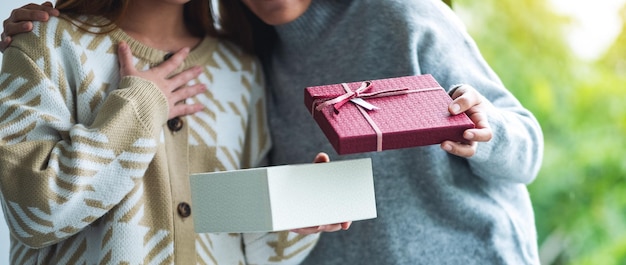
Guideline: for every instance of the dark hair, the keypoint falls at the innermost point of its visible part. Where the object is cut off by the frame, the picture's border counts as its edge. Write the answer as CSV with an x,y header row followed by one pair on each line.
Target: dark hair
x,y
236,22
198,13
243,27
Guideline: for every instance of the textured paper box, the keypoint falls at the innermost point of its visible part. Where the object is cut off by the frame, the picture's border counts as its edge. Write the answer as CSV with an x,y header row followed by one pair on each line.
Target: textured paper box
x,y
283,197
411,111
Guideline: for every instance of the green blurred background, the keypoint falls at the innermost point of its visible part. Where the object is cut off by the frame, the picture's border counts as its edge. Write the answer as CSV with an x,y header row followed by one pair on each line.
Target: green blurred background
x,y
580,194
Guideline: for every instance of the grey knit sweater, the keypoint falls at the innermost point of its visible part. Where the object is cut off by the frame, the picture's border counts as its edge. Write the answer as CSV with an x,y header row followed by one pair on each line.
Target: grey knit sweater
x,y
433,207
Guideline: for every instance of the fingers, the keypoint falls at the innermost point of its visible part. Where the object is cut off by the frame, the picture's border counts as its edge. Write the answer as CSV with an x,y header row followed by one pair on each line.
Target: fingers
x,y
478,135
184,92
459,149
46,7
306,231
180,95
464,98
330,228
172,63
174,88
482,132
14,28
4,42
467,99
183,109
321,158
125,58
183,77
34,12
322,228
21,19
180,91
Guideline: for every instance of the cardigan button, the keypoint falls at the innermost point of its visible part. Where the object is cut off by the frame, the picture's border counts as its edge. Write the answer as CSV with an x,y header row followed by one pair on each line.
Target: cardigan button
x,y
184,210
167,56
175,124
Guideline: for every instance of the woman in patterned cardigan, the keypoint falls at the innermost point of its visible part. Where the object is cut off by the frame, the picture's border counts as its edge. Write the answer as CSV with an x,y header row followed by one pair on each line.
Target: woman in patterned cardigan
x,y
96,155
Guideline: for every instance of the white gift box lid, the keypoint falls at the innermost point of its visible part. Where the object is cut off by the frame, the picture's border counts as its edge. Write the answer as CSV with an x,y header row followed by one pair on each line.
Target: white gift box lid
x,y
283,197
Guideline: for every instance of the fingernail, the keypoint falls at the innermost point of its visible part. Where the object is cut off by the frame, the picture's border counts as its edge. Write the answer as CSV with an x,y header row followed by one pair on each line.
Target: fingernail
x,y
447,147
469,135
456,108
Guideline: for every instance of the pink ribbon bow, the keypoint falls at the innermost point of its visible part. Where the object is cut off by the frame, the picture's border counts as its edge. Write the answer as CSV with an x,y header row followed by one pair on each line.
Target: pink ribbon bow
x,y
359,93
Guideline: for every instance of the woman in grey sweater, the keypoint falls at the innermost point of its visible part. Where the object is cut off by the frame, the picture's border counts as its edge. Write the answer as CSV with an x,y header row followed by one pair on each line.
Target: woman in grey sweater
x,y
443,204
466,205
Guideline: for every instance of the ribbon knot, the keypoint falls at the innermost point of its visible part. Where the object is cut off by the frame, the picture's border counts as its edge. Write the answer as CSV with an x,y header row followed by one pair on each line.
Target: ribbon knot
x,y
338,101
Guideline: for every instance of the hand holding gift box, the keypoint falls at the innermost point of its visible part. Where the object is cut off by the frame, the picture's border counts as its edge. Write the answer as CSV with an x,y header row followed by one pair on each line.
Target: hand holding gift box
x,y
385,114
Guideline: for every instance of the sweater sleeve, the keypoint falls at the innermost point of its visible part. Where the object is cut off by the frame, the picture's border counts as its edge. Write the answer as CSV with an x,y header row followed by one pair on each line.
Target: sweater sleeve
x,y
278,247
448,52
58,175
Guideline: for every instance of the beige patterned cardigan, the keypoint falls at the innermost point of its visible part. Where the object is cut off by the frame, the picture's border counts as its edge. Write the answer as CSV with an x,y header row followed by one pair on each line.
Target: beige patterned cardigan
x,y
90,171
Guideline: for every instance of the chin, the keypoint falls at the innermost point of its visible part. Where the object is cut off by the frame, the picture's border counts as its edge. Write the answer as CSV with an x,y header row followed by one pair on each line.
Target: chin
x,y
279,20
278,12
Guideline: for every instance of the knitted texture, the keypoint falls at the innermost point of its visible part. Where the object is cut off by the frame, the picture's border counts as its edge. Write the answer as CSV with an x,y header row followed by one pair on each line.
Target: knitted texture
x,y
91,173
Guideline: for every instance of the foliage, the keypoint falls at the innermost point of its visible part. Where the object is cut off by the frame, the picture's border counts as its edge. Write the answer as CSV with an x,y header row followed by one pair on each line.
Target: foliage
x,y
580,194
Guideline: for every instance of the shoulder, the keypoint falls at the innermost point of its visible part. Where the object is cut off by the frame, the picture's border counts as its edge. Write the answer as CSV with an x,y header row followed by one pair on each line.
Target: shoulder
x,y
401,20
422,14
46,35
61,36
37,37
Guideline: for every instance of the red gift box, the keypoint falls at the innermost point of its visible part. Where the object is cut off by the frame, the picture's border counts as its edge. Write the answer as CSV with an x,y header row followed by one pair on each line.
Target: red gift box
x,y
405,112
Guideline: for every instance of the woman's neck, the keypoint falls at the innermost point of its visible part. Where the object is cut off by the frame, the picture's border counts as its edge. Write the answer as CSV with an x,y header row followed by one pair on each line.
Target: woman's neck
x,y
159,25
